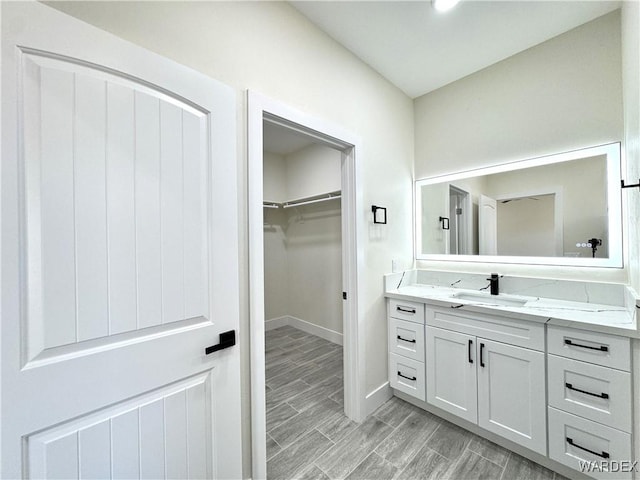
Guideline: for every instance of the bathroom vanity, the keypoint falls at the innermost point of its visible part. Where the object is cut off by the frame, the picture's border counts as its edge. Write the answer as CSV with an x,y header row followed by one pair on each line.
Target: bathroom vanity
x,y
550,374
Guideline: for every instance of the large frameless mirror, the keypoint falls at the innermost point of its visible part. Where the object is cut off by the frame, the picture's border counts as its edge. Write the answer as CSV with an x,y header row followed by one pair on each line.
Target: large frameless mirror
x,y
562,209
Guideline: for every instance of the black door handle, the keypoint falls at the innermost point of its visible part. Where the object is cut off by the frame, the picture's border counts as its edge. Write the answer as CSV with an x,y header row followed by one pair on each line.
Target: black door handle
x,y
470,345
481,350
599,395
227,339
413,379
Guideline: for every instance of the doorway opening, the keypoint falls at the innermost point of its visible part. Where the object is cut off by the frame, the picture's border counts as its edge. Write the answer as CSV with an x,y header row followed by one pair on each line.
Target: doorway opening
x,y
309,202
460,213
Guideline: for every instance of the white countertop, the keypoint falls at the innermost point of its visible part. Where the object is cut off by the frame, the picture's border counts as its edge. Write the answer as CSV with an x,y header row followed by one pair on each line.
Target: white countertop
x,y
589,316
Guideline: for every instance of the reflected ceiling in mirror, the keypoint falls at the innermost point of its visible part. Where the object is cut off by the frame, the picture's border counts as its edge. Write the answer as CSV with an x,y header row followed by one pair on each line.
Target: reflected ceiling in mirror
x,y
561,209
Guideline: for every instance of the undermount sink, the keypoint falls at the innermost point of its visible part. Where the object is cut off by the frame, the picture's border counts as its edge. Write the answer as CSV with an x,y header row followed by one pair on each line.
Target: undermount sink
x,y
492,299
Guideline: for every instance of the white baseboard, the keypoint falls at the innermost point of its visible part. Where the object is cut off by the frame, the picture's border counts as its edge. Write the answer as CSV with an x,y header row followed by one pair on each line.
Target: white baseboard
x,y
276,323
378,397
313,329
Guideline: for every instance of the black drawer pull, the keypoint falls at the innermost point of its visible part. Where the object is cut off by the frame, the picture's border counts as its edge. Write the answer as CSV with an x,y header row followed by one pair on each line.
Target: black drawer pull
x,y
470,345
406,310
599,395
602,348
601,455
405,340
413,379
481,350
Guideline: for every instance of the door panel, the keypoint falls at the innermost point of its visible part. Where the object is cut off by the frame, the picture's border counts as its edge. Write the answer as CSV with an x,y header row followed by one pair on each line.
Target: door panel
x,y
115,275
72,230
511,393
136,439
488,226
451,372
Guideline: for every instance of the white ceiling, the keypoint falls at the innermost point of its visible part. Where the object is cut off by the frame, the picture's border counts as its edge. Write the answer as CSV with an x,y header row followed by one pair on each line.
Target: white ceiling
x,y
283,141
419,49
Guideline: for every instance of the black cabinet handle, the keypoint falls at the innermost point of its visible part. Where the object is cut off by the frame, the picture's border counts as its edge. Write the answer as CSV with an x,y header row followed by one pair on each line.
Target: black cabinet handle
x,y
601,455
601,348
227,339
406,310
481,359
470,345
405,340
413,379
599,395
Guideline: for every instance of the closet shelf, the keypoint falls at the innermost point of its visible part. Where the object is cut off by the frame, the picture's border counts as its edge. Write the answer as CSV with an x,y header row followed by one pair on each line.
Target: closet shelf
x,y
304,201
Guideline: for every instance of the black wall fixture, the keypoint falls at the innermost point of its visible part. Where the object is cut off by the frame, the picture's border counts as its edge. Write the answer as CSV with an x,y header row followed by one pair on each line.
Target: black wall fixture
x,y
379,214
444,221
630,186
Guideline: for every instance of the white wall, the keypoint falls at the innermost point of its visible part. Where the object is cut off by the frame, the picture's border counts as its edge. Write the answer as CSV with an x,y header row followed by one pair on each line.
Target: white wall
x,y
314,253
276,264
271,48
583,192
312,171
276,295
561,95
274,186
303,245
526,227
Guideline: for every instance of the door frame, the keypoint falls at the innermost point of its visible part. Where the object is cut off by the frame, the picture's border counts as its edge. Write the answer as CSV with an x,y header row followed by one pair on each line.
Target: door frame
x,y
260,108
466,226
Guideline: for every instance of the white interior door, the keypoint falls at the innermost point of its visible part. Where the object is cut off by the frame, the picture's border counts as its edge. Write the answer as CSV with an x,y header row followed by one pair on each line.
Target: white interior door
x,y
119,258
488,226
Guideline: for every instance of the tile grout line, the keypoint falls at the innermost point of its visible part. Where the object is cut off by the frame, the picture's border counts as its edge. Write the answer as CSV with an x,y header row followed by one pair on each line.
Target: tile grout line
x,y
505,466
333,444
423,445
487,459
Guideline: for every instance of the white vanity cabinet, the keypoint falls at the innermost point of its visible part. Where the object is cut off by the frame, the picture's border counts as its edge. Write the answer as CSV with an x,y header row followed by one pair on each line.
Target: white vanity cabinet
x,y
565,393
499,386
590,399
406,347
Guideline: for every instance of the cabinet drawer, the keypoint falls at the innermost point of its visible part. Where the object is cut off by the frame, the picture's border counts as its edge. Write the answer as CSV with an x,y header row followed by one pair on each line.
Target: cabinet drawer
x,y
407,376
406,339
593,347
574,439
410,311
598,393
501,329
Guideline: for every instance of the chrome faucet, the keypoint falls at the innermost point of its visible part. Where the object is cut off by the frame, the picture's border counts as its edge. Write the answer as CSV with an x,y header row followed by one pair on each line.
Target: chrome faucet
x,y
495,289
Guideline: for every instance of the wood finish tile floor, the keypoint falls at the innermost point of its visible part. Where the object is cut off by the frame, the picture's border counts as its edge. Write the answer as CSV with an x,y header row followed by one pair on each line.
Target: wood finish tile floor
x,y
309,437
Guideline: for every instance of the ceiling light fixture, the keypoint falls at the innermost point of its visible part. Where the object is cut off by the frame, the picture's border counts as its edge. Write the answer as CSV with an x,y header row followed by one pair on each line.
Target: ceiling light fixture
x,y
444,5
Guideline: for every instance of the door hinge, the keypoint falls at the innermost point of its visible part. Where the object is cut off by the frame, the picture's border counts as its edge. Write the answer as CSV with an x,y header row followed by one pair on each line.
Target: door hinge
x,y
344,295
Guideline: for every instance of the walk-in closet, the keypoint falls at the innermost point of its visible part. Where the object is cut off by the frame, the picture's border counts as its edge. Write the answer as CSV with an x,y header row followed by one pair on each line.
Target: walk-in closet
x,y
302,290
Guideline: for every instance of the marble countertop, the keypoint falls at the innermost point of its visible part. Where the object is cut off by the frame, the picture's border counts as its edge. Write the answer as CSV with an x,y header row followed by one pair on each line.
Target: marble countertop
x,y
589,316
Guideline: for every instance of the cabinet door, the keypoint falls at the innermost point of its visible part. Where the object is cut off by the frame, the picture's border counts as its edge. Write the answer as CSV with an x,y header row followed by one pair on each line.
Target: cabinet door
x,y
451,372
511,393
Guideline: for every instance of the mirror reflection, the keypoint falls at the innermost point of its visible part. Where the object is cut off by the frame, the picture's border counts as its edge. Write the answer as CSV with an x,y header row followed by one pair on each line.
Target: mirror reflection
x,y
563,206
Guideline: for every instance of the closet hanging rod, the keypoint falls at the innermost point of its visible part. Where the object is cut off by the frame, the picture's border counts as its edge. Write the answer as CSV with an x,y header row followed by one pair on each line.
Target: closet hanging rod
x,y
317,200
270,205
